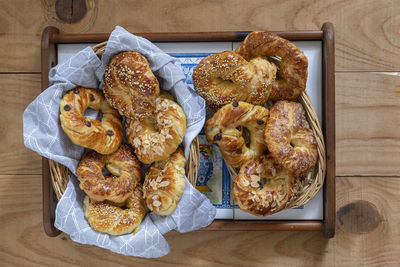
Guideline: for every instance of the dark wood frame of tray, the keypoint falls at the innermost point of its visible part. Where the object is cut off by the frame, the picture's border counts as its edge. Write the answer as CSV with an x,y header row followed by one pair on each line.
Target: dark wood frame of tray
x,y
51,37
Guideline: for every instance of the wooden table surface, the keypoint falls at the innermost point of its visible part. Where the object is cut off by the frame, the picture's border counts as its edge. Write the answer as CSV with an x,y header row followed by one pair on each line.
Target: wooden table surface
x,y
367,130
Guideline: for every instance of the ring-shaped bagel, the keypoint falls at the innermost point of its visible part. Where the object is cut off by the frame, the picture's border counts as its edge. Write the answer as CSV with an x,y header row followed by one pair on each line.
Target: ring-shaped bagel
x,y
292,78
104,136
263,187
164,183
155,138
116,187
226,129
289,137
227,77
107,218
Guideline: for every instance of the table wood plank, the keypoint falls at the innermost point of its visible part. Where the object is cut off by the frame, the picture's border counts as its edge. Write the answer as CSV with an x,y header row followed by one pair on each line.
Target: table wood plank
x,y
17,91
25,243
366,31
368,123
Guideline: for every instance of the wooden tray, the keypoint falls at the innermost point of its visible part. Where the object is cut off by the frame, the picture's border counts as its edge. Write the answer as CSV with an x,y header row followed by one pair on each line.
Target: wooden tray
x,y
51,37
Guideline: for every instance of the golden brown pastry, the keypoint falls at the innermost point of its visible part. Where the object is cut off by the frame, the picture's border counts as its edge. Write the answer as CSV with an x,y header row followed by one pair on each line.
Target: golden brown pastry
x,y
292,78
164,183
130,86
104,136
125,172
229,125
113,220
263,187
289,137
227,77
155,138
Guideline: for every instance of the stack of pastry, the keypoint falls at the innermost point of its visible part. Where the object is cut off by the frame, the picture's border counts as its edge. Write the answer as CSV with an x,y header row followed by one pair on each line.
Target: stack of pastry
x,y
271,149
155,125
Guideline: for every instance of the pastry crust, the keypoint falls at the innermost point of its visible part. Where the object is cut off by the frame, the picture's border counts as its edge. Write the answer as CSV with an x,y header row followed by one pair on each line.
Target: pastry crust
x,y
164,183
227,77
104,136
125,172
292,77
263,187
290,139
156,138
227,126
107,218
130,86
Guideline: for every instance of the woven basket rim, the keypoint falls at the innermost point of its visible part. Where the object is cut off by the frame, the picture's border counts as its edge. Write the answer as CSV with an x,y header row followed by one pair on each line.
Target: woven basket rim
x,y
60,174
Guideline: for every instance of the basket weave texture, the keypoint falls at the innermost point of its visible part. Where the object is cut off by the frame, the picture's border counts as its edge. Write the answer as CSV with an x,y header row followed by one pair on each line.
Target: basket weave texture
x,y
314,180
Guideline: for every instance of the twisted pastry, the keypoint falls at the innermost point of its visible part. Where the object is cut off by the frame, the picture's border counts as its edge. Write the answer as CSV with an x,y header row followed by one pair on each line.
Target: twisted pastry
x,y
290,139
104,136
156,138
107,218
263,187
130,86
227,77
125,172
292,77
164,183
228,126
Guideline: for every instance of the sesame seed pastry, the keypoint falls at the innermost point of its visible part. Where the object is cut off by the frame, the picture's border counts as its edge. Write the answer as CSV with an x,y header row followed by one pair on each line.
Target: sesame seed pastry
x,y
292,78
107,218
289,138
130,86
125,174
104,136
226,77
155,138
164,183
229,127
263,187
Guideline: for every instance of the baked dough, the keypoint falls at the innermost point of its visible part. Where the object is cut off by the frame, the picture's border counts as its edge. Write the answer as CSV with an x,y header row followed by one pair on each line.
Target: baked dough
x,y
164,183
227,127
104,136
125,172
107,218
130,86
292,78
155,138
227,77
289,137
263,187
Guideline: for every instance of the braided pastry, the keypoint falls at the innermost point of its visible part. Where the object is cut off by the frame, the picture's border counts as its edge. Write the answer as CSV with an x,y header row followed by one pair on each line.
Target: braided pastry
x,y
227,77
104,136
263,187
227,126
156,138
107,218
292,77
130,86
289,137
164,183
125,172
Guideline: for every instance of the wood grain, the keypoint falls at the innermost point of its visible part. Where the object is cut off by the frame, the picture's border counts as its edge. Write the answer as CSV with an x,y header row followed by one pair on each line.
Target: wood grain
x,y
367,117
24,242
367,123
17,91
366,30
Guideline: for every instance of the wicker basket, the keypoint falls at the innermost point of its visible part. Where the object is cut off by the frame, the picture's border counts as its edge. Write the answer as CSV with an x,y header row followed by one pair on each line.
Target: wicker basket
x,y
314,180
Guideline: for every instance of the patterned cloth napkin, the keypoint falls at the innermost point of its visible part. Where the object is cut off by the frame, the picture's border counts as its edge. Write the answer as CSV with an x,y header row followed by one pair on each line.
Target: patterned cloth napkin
x,y
43,134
